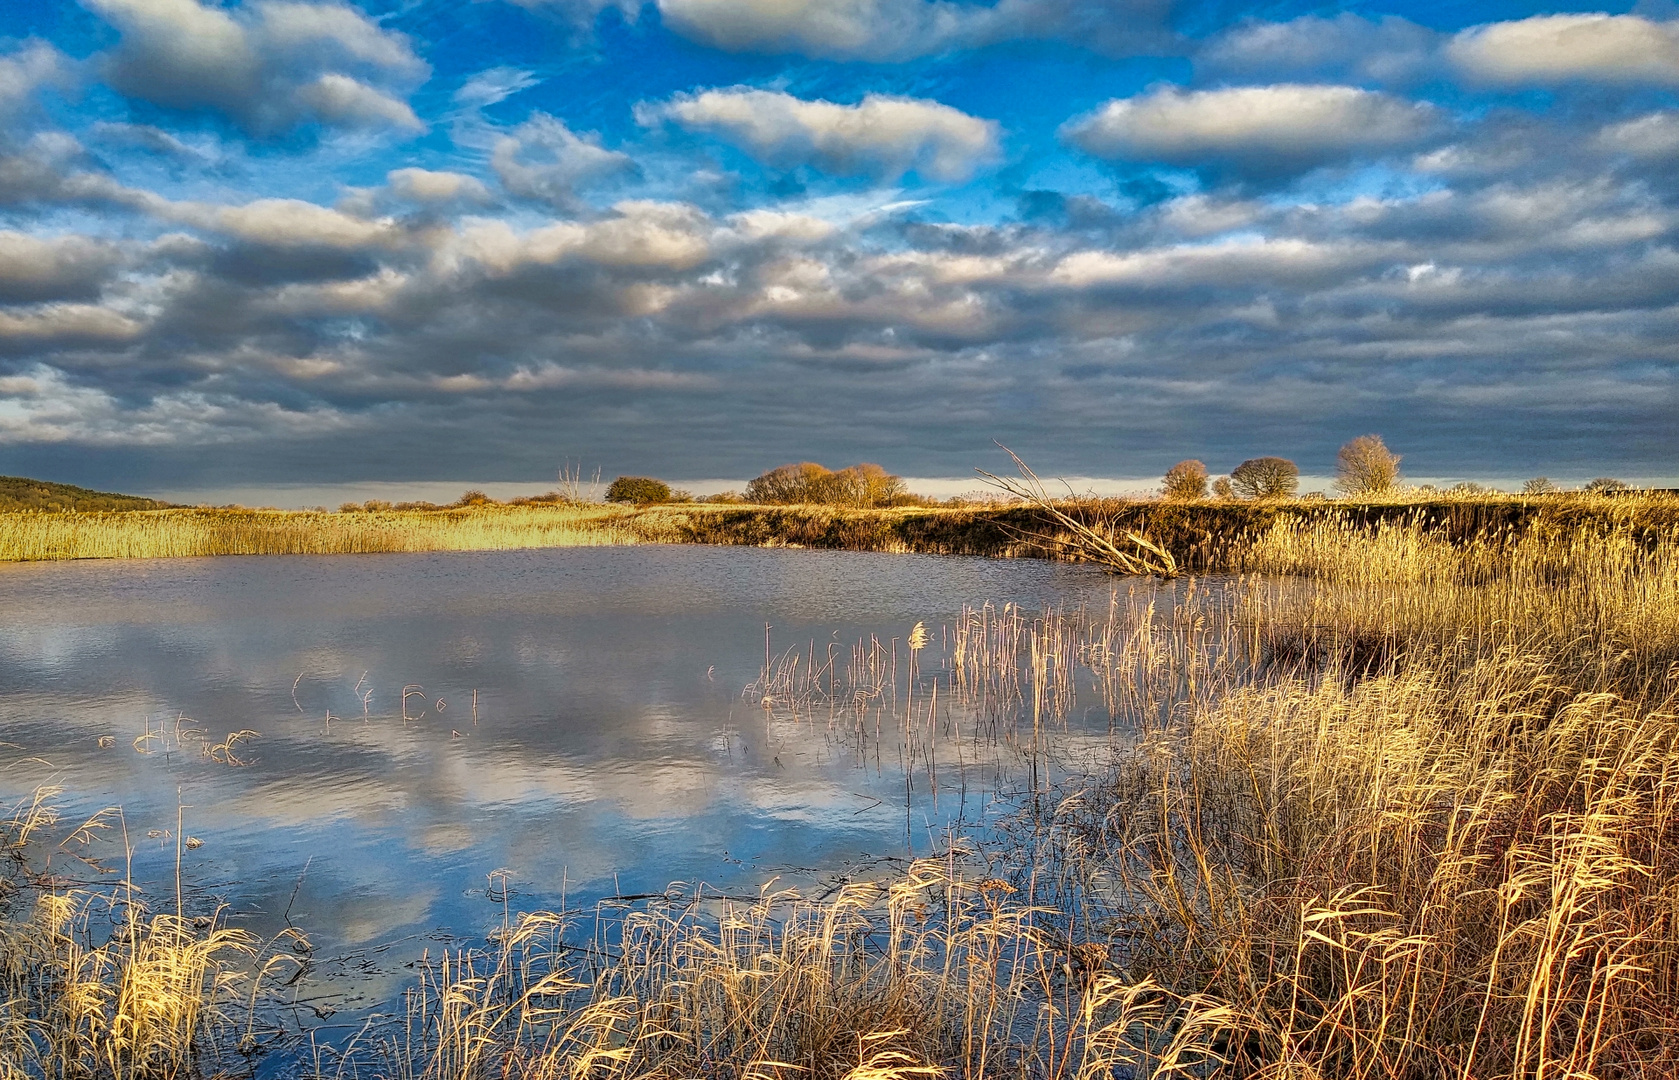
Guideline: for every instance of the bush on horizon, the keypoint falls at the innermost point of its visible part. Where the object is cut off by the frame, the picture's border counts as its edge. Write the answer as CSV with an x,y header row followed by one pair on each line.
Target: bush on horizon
x,y
860,486
641,490
1265,478
1185,480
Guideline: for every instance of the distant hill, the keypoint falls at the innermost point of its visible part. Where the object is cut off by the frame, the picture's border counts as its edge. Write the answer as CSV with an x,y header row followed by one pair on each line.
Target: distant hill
x,y
22,493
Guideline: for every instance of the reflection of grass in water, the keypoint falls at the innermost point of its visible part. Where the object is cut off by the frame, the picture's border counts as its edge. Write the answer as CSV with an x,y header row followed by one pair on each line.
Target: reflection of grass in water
x,y
1452,856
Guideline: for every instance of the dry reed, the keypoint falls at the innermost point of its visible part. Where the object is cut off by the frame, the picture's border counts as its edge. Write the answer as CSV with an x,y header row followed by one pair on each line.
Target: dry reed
x,y
1404,806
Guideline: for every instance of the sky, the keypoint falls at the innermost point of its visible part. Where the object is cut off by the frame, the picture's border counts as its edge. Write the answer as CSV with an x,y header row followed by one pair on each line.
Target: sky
x,y
277,245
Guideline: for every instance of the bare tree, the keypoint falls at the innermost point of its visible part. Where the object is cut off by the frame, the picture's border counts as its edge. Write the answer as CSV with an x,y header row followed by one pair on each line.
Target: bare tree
x,y
1265,478
1365,466
804,482
1185,480
1222,488
1606,485
1539,485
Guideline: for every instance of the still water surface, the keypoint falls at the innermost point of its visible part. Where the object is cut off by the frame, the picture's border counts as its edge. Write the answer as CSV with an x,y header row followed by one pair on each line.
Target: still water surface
x,y
610,750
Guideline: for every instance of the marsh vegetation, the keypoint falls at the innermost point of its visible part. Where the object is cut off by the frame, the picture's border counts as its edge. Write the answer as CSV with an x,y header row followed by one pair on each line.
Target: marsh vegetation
x,y
1399,800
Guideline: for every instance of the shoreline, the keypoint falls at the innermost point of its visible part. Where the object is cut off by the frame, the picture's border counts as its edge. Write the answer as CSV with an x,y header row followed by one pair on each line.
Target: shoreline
x,y
1203,536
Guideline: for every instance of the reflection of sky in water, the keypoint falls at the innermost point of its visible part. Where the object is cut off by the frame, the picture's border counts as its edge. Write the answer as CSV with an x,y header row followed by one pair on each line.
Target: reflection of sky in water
x,y
613,750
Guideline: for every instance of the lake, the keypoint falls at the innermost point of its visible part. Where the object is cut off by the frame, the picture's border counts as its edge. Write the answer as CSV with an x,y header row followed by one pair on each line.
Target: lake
x,y
436,735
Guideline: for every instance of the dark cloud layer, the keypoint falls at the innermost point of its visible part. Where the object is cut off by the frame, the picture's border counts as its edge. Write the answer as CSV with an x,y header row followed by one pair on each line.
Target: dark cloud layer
x,y
1491,283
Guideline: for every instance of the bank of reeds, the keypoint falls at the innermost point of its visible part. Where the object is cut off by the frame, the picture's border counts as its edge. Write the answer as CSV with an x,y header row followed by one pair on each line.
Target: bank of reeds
x,y
1403,806
1454,859
180,533
1192,537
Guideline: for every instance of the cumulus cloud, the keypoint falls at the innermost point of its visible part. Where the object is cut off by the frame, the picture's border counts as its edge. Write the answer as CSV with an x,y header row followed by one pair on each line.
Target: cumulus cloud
x,y
34,65
47,406
430,186
267,66
544,159
902,29
1346,47
880,136
1653,135
1255,130
1562,48
53,268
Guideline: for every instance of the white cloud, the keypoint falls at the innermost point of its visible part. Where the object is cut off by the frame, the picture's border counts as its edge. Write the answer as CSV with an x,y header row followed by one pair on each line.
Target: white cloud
x,y
1269,129
1389,49
341,100
544,159
903,29
881,136
549,376
1652,135
267,66
34,65
282,223
640,234
427,185
45,406
1560,48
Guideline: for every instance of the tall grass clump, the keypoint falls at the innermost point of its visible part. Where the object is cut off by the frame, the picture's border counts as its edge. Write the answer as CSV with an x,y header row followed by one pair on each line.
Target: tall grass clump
x,y
931,974
1601,600
97,985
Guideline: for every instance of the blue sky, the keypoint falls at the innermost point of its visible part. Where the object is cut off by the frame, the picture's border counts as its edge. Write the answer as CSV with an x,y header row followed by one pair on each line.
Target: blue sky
x,y
273,242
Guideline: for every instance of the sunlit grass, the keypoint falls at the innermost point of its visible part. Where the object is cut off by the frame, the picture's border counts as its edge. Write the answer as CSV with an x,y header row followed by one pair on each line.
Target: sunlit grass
x,y
1399,803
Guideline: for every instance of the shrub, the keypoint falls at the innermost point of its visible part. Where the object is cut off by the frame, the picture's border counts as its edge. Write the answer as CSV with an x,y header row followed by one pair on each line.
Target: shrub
x,y
1185,480
474,498
1539,485
1606,485
864,485
1365,466
638,489
1222,488
785,484
1470,487
1265,478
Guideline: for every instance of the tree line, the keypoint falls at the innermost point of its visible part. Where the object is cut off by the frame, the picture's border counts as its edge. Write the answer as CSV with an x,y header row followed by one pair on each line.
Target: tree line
x,y
1364,467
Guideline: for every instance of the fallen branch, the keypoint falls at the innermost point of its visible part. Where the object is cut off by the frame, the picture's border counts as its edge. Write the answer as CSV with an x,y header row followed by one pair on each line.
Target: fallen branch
x,y
1086,542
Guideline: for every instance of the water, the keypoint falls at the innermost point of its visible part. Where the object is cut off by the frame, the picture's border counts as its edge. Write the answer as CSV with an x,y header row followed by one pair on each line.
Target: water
x,y
575,729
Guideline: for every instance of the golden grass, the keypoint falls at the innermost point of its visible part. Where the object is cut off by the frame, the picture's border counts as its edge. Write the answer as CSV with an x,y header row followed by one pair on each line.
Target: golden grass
x,y
1402,805
97,986
178,533
1203,537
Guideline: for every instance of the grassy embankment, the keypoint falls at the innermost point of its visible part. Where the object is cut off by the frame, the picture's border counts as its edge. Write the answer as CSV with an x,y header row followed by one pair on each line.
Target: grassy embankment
x,y
1414,814
1207,536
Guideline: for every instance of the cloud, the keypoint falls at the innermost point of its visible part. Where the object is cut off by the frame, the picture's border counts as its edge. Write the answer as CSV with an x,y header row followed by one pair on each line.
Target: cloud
x,y
47,406
428,186
903,29
1254,130
34,65
543,159
56,268
1653,135
881,136
341,100
267,66
1549,49
1346,47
